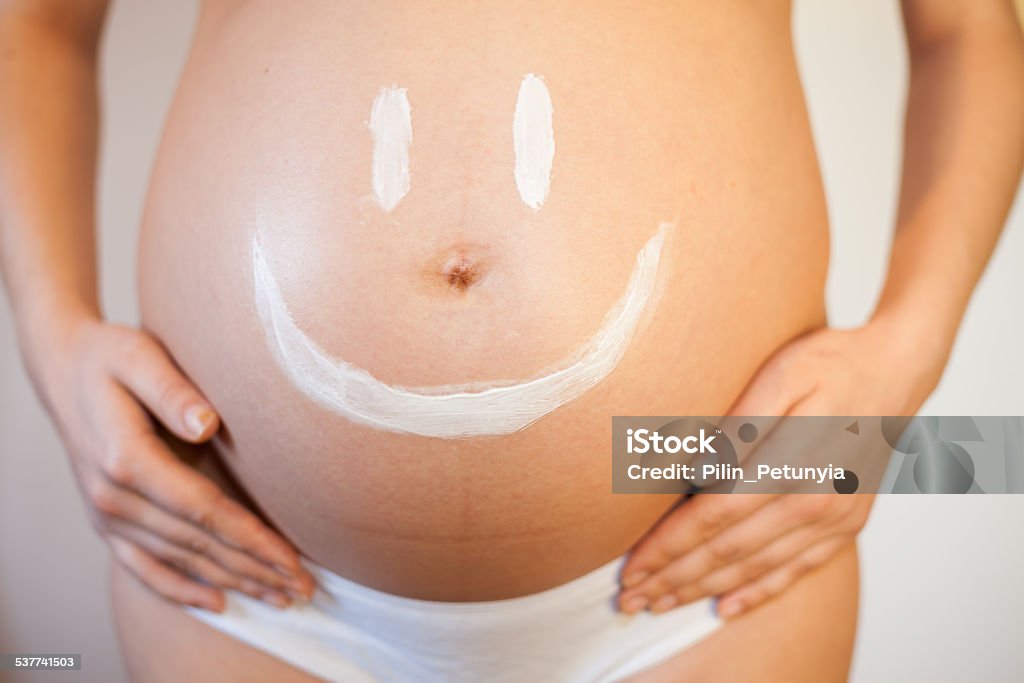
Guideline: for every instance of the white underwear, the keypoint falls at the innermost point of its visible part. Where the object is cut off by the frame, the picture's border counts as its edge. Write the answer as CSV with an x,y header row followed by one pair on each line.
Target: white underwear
x,y
568,634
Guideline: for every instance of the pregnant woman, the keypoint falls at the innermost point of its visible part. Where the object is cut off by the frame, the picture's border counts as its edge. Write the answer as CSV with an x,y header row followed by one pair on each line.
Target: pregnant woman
x,y
411,258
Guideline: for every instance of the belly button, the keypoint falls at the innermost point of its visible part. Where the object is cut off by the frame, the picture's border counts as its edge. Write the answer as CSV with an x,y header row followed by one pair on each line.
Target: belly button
x,y
461,273
458,268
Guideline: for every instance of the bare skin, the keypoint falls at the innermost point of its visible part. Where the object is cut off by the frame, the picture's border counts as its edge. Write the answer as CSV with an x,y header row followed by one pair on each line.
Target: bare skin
x,y
449,519
736,177
107,386
963,154
191,650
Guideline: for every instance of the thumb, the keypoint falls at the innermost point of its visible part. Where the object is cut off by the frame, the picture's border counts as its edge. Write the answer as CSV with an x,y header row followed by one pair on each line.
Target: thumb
x,y
148,372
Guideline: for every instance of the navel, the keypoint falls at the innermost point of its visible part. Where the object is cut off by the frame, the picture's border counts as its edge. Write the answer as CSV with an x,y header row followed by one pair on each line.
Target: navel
x,y
459,268
461,273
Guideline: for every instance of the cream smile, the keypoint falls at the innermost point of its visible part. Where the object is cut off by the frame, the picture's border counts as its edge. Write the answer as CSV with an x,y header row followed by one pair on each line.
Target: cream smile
x,y
453,411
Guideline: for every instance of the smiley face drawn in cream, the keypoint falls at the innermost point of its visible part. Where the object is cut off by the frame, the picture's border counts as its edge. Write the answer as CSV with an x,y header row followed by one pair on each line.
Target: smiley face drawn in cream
x,y
490,407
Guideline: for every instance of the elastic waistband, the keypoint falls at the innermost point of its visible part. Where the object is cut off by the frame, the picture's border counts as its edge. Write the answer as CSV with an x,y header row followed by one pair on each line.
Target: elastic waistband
x,y
571,633
598,585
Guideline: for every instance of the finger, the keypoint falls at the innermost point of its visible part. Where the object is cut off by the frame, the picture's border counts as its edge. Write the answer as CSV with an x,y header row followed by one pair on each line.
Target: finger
x,y
686,527
699,568
195,565
774,582
774,391
148,372
143,463
731,577
774,441
136,510
775,388
164,580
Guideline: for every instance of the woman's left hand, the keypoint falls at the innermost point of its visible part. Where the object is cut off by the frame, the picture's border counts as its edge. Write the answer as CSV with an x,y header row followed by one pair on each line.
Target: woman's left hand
x,y
747,548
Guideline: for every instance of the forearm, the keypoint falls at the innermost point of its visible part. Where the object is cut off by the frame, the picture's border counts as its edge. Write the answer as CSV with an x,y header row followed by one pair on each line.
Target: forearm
x,y
963,153
48,141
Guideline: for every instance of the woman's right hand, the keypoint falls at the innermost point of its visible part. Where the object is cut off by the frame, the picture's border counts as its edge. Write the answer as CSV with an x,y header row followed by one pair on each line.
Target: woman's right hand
x,y
168,524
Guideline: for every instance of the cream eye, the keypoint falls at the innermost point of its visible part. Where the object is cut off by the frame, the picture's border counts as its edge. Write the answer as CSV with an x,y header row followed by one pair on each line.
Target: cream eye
x,y
533,138
391,127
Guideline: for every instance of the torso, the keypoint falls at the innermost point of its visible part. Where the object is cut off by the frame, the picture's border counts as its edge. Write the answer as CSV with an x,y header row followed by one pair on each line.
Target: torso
x,y
691,112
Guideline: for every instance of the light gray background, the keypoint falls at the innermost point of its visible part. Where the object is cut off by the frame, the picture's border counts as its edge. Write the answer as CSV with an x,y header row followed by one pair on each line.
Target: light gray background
x,y
943,577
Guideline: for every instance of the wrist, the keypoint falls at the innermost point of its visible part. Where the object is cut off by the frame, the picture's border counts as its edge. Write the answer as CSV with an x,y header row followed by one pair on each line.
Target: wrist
x,y
49,338
916,346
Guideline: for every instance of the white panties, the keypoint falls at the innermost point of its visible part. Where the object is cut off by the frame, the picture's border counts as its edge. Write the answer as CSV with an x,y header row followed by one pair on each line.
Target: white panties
x,y
568,634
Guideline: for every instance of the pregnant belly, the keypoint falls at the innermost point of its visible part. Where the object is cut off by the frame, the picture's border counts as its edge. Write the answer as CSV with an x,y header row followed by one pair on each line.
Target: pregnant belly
x,y
418,286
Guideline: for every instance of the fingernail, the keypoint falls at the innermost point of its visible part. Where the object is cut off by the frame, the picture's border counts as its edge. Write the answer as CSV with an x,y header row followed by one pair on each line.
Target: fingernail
x,y
303,588
276,599
198,419
730,608
634,605
665,603
634,578
298,599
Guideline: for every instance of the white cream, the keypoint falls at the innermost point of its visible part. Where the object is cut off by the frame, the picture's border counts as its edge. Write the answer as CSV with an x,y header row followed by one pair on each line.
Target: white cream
x,y
391,126
475,409
533,139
